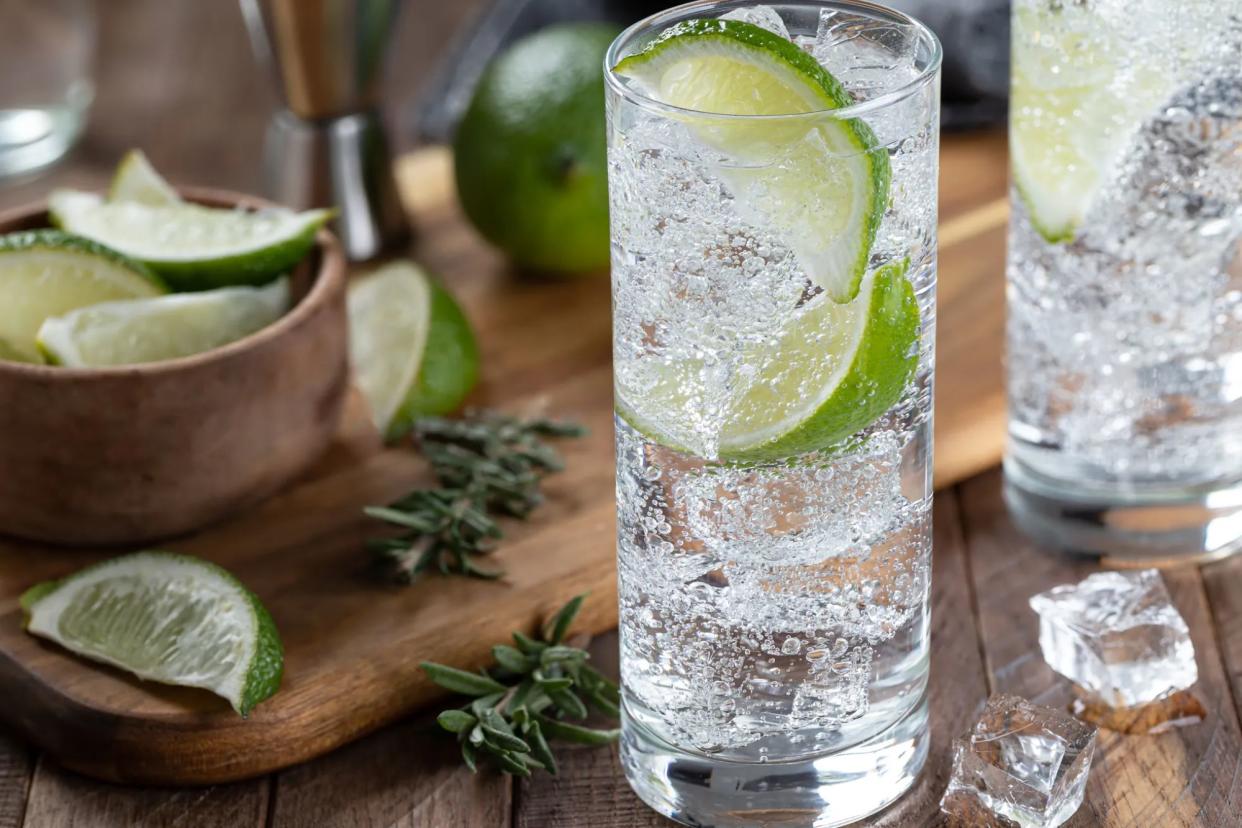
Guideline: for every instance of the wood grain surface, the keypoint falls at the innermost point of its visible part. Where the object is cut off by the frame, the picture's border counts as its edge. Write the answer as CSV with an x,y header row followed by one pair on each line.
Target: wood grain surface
x,y
353,643
201,118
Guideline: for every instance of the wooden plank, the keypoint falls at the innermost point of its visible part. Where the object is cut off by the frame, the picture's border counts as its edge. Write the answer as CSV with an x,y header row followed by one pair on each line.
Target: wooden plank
x,y
1188,777
17,765
970,332
408,776
591,790
62,799
974,170
970,328
1223,582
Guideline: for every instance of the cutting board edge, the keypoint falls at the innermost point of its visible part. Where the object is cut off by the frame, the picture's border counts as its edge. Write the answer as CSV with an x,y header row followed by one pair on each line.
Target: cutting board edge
x,y
113,746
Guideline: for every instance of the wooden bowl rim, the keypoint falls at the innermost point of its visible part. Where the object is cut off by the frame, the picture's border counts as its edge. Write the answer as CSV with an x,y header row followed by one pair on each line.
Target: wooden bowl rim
x,y
327,278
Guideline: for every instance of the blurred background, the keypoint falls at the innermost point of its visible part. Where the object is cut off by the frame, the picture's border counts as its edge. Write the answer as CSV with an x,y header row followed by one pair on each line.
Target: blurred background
x,y
180,78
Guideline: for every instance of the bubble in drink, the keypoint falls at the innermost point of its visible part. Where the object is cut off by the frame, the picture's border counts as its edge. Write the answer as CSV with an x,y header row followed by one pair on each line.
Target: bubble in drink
x,y
773,304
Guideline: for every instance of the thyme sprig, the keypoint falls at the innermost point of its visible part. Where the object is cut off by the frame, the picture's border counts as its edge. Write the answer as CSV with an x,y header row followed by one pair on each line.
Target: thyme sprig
x,y
524,700
487,465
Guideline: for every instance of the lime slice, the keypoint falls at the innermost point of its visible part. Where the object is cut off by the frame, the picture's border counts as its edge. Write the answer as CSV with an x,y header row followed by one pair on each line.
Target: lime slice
x,y
820,183
412,348
1079,92
136,180
11,353
166,618
47,273
165,327
831,370
193,247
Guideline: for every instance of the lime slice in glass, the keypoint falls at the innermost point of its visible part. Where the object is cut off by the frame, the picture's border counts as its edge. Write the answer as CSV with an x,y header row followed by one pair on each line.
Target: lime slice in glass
x,y
820,183
193,247
46,273
1079,92
136,180
831,370
411,346
165,327
167,618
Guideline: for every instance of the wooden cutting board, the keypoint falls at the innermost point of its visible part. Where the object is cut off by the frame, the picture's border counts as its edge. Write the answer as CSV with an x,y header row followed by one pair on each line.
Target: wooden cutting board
x,y
353,643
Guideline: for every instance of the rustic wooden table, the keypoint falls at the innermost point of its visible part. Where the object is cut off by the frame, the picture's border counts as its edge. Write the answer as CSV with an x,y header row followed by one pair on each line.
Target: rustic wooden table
x,y
177,78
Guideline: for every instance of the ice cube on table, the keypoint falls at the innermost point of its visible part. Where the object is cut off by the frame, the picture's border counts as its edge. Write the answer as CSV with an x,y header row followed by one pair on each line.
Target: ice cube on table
x,y
765,17
1117,635
1023,763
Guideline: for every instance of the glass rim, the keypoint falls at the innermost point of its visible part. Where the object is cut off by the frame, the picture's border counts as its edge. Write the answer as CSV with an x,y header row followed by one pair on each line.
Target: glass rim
x,y
888,98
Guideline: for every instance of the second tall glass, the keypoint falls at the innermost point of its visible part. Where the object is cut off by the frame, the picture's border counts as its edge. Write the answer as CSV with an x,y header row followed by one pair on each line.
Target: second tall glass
x,y
1125,278
773,202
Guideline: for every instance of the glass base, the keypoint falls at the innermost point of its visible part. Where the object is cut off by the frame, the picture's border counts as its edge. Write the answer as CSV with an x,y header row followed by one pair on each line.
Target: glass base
x,y
833,789
33,139
1125,528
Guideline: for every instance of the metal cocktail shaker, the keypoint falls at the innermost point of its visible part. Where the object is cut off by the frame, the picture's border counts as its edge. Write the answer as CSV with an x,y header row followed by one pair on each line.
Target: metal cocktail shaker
x,y
327,146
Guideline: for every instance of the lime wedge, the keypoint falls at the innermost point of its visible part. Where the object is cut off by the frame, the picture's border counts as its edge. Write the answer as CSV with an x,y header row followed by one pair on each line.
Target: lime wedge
x,y
11,353
165,327
1079,93
820,183
830,371
47,273
136,180
193,247
411,346
167,618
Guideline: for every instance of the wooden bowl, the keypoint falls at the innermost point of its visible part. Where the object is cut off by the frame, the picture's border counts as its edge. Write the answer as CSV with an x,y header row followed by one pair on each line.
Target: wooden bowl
x,y
131,454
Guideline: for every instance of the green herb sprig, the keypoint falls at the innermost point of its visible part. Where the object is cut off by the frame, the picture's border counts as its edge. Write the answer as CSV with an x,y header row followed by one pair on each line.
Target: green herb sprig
x,y
524,701
487,465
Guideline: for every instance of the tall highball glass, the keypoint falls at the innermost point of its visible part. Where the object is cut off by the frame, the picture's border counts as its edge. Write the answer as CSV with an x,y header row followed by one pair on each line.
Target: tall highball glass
x,y
1125,278
772,173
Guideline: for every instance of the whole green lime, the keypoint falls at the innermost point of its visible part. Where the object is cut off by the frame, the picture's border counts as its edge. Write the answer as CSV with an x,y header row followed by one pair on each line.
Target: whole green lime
x,y
530,157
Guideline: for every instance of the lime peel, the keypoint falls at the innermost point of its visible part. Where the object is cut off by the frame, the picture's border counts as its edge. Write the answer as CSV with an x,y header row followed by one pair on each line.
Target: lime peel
x,y
841,386
135,331
46,273
191,246
411,346
865,386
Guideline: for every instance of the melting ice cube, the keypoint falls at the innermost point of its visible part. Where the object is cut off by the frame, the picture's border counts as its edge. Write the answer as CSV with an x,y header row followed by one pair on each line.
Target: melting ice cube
x,y
765,17
1117,635
1025,764
1180,709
